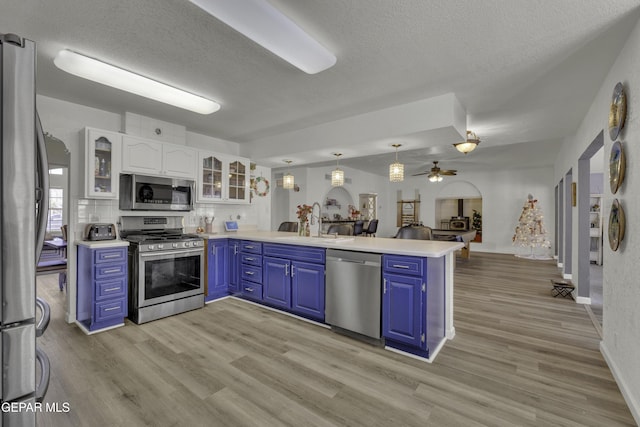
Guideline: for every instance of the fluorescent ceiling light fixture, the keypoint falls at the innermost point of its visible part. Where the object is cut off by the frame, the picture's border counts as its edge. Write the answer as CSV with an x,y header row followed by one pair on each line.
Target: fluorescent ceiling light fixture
x,y
264,24
100,72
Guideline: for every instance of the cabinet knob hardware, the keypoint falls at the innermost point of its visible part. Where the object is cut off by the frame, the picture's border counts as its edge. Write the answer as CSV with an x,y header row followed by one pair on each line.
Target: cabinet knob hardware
x,y
293,272
384,287
250,259
112,289
249,247
249,273
111,256
248,289
400,266
112,308
113,270
286,269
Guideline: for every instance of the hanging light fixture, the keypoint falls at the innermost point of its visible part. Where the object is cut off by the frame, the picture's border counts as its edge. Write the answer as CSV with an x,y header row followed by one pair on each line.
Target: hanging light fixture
x,y
469,145
288,179
396,170
337,175
435,178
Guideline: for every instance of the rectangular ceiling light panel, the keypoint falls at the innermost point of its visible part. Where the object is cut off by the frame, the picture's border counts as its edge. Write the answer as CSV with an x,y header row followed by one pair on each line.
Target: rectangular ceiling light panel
x,y
267,26
103,73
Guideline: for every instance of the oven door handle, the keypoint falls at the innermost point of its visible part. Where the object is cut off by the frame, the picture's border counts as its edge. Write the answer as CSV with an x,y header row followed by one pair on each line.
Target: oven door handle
x,y
179,253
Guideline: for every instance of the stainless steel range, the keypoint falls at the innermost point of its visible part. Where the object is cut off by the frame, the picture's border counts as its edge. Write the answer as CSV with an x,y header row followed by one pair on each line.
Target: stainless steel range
x,y
166,267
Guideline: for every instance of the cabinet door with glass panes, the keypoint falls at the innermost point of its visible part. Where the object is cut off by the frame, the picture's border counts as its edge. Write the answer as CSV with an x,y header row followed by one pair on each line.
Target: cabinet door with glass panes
x,y
102,163
238,180
210,181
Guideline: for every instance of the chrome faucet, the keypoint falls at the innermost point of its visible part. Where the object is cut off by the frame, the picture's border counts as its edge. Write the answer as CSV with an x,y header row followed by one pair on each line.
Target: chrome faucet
x,y
319,217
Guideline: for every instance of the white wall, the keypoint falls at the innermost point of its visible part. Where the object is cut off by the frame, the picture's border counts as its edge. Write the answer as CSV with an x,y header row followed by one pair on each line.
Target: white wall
x,y
621,299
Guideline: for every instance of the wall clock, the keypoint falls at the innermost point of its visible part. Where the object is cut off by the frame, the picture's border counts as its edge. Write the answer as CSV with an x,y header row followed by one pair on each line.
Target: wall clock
x,y
616,166
617,111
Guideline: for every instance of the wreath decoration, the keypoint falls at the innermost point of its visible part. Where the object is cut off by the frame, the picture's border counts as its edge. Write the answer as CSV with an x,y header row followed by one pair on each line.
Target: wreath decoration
x,y
265,182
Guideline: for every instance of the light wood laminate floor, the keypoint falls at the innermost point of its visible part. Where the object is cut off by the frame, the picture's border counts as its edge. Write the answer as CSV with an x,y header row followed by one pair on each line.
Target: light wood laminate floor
x,y
520,357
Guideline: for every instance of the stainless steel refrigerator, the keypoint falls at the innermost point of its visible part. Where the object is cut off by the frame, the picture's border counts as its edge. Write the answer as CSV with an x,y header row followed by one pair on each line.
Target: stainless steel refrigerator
x,y
23,215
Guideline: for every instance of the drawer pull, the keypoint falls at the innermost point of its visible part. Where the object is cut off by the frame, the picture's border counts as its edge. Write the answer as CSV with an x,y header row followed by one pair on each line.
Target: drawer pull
x,y
113,270
249,247
112,289
112,308
400,266
248,289
111,256
249,273
249,259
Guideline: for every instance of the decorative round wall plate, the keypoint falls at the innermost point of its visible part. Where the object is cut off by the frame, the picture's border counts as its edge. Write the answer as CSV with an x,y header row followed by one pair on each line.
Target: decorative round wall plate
x,y
617,111
616,225
616,166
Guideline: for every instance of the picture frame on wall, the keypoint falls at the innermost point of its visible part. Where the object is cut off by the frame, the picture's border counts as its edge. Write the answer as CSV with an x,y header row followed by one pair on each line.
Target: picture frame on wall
x,y
617,166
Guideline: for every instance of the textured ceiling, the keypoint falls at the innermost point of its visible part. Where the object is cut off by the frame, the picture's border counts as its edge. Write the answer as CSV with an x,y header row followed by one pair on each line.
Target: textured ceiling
x,y
526,71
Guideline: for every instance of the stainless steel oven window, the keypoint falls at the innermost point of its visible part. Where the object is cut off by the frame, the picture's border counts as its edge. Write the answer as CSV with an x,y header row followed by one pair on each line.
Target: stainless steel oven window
x,y
166,276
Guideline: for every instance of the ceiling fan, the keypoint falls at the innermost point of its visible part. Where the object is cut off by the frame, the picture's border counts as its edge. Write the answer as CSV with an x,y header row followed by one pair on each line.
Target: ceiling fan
x,y
436,174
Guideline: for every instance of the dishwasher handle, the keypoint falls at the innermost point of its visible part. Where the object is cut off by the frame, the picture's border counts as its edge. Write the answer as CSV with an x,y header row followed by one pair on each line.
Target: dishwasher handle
x,y
355,261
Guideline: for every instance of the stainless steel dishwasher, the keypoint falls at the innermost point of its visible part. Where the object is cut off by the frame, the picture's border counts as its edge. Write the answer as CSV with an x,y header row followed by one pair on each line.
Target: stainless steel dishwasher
x,y
353,291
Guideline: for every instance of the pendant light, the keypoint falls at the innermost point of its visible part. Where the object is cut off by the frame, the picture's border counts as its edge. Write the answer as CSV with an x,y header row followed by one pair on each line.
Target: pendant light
x,y
287,179
337,175
396,170
469,145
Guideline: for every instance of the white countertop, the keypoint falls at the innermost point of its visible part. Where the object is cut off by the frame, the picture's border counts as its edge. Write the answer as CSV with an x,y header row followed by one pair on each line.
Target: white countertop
x,y
383,245
102,243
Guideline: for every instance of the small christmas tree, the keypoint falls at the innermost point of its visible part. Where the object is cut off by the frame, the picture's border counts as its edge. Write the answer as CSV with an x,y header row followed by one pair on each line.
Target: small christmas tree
x,y
530,231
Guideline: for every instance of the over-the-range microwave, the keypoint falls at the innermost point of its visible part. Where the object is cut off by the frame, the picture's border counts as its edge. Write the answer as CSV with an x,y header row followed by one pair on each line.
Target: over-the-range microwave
x,y
152,193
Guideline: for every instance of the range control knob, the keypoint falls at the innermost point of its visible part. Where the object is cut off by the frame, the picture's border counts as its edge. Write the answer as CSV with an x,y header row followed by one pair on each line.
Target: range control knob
x,y
161,246
151,247
174,245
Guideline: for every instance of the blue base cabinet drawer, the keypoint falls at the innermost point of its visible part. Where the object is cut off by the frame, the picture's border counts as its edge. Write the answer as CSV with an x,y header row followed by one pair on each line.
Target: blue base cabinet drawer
x,y
106,310
251,273
101,287
411,265
251,290
247,246
115,288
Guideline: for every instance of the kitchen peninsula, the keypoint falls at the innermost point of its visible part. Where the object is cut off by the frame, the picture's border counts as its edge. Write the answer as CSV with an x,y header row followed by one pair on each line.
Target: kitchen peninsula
x,y
287,272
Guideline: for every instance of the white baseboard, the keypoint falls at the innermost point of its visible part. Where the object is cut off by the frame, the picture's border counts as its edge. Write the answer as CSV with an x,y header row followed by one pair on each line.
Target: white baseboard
x,y
583,300
632,403
566,276
450,333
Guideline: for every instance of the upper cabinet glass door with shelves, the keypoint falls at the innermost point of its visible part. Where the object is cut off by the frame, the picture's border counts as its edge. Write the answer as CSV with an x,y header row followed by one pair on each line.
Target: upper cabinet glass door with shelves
x,y
210,178
238,180
102,163
222,179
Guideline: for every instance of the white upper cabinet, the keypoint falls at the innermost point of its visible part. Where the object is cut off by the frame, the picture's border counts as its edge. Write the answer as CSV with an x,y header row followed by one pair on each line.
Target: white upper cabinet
x,y
102,163
140,155
222,179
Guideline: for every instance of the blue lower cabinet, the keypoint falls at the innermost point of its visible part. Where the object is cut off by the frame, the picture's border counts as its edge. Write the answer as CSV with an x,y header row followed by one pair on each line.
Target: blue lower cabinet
x,y
276,282
217,269
402,309
413,302
234,265
101,287
307,289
